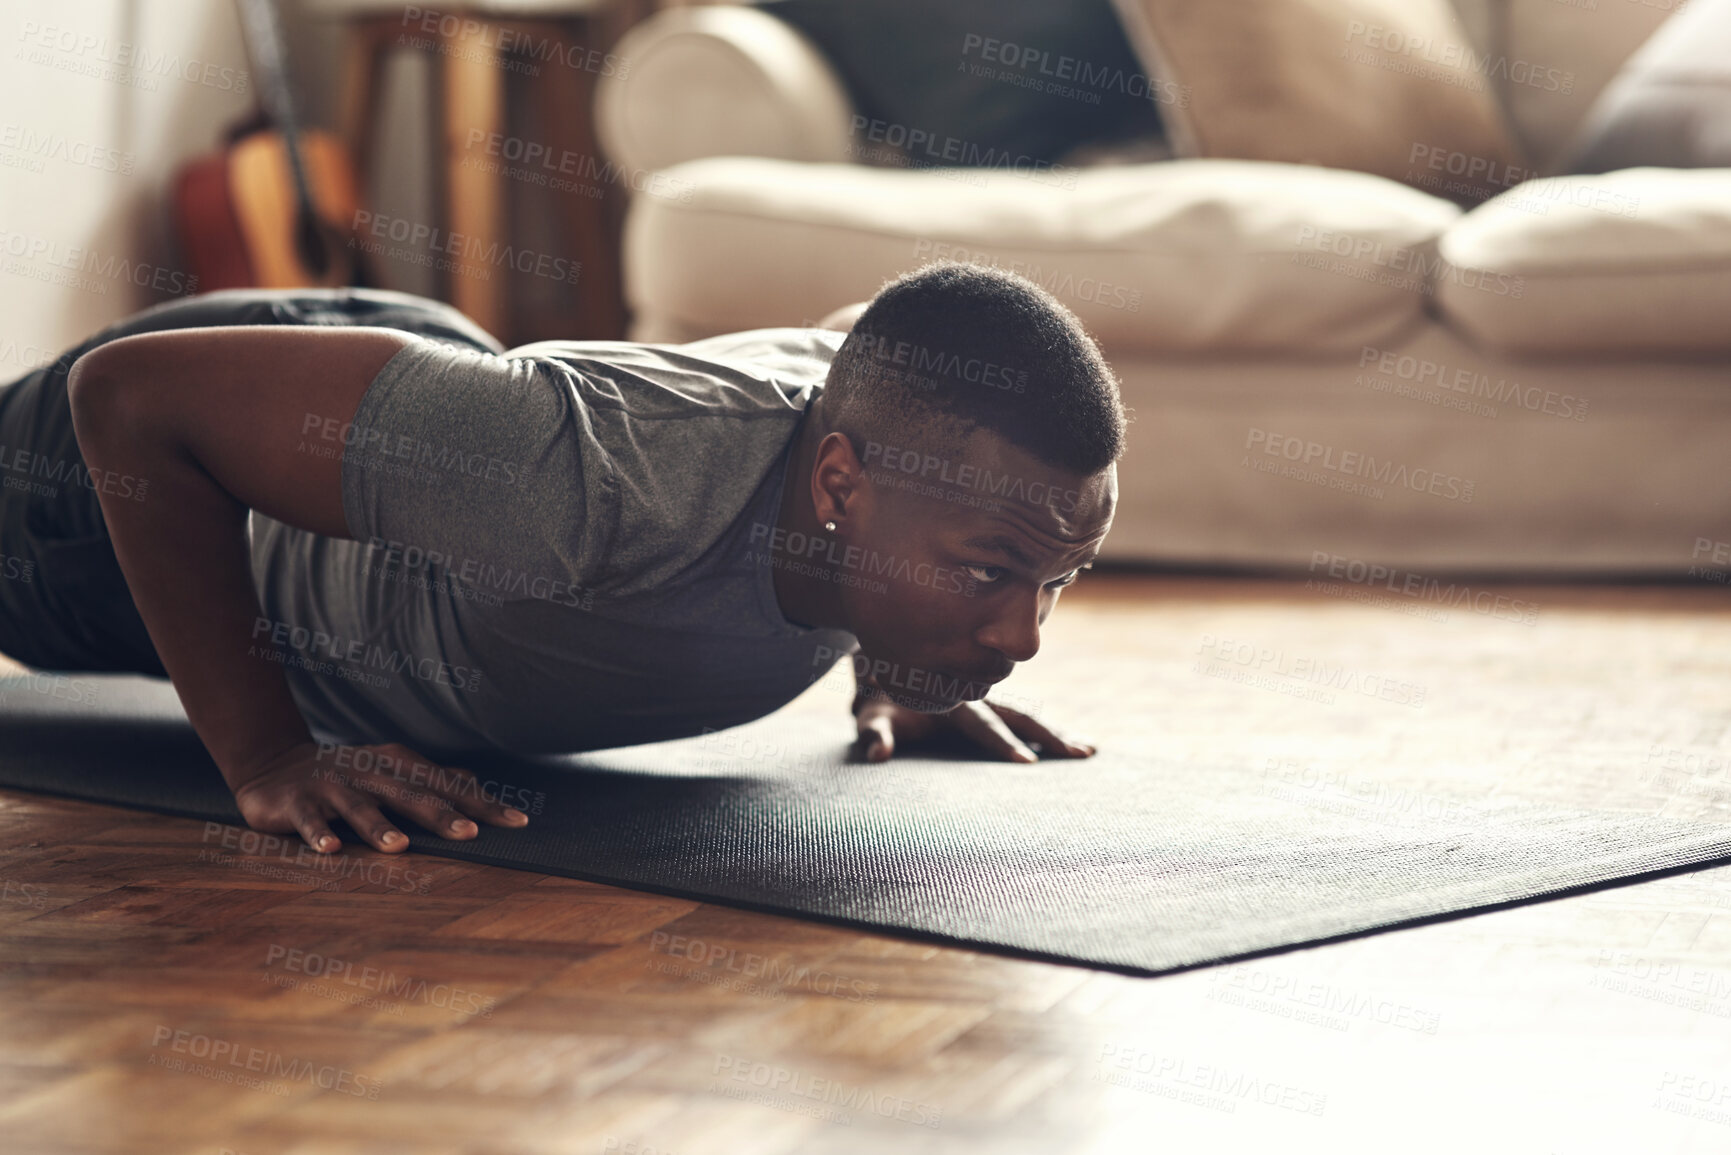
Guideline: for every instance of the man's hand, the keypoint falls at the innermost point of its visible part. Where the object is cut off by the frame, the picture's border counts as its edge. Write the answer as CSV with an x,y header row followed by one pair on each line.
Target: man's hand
x,y
305,787
999,730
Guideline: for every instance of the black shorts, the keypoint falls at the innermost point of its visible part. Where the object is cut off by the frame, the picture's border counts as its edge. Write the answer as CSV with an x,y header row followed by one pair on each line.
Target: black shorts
x,y
64,603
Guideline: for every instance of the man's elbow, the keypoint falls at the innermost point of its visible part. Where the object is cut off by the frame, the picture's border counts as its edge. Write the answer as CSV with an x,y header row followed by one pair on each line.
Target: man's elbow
x,y
101,392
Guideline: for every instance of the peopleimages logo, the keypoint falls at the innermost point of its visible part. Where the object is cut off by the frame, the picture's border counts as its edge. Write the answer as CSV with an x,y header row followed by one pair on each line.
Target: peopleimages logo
x,y
853,560
1695,1096
268,855
350,658
1138,1068
1419,270
1322,1003
43,475
929,148
237,1058
1352,463
37,147
1448,54
372,444
418,773
1269,668
1058,281
1440,375
1373,575
85,269
911,680
1070,76
462,576
492,36
775,973
1008,486
432,242
87,54
1718,552
789,1087
1362,796
939,364
374,980
1479,170
34,894
565,171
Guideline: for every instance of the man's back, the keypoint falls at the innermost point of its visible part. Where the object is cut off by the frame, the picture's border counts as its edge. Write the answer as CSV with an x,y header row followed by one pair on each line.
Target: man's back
x,y
554,549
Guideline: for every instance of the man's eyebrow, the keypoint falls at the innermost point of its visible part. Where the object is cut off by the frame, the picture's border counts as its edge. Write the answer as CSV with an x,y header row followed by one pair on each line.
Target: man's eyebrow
x,y
1004,545
1007,545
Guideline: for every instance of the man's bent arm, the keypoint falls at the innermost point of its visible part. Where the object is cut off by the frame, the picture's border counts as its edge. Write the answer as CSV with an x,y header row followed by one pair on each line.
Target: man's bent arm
x,y
211,421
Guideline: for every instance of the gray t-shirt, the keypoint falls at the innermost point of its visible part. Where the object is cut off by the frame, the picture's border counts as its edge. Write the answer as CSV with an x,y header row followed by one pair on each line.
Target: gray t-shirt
x,y
557,549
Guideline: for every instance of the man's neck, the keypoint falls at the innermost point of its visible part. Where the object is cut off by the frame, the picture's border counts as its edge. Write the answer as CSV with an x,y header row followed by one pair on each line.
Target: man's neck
x,y
804,600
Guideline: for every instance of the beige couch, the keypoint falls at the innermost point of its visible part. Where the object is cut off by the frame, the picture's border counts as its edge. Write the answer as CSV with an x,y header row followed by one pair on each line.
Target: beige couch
x,y
1320,363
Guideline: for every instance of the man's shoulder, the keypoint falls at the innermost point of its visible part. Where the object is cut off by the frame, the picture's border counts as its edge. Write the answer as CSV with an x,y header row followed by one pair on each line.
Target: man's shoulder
x,y
794,348
731,375
690,436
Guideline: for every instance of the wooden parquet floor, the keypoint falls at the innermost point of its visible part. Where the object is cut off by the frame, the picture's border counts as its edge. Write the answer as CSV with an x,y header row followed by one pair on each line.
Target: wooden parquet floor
x,y
159,993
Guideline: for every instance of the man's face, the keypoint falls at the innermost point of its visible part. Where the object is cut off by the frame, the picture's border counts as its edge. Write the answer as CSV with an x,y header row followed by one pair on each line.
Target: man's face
x,y
956,558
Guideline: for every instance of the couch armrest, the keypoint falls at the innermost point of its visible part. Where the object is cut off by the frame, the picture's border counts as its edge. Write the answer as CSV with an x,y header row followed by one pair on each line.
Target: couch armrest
x,y
721,81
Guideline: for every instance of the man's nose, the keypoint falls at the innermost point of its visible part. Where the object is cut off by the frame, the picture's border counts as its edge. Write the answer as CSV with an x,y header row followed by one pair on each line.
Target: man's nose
x,y
1015,632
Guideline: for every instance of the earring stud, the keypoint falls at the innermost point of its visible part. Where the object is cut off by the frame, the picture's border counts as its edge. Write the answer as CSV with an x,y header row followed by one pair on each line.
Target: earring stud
x,y
830,526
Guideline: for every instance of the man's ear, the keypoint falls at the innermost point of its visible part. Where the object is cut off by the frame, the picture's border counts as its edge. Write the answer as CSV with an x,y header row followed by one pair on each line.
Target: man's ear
x,y
839,485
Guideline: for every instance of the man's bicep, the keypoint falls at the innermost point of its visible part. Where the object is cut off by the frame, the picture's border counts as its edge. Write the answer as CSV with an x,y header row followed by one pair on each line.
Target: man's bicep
x,y
263,409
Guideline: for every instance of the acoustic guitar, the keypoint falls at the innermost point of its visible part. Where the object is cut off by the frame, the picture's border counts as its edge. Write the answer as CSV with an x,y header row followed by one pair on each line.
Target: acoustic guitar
x,y
274,208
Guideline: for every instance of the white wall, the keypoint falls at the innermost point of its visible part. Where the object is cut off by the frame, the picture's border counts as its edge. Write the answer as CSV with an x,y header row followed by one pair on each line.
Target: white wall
x,y
88,149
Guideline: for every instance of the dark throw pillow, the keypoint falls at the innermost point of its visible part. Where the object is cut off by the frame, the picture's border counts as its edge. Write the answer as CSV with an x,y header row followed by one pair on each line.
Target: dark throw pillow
x,y
976,83
1670,106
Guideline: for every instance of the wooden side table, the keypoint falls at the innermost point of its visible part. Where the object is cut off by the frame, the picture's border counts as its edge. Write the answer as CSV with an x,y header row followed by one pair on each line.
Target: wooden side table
x,y
561,48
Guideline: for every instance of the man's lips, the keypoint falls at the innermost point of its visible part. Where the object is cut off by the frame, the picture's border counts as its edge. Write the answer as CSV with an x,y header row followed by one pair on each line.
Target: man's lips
x,y
973,685
985,678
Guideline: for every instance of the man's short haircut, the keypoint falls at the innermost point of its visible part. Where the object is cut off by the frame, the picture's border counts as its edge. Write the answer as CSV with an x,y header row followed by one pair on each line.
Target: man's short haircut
x,y
951,348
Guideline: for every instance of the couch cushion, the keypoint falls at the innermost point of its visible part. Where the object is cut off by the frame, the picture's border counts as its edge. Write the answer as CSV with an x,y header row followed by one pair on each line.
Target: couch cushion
x,y
1367,85
1556,57
1670,106
1637,261
1187,256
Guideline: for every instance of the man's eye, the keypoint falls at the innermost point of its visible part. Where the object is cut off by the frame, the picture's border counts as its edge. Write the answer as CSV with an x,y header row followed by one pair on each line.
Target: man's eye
x,y
1060,583
984,574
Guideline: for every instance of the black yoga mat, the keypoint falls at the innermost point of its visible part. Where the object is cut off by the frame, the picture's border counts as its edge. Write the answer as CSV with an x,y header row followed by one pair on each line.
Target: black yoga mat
x,y
1127,861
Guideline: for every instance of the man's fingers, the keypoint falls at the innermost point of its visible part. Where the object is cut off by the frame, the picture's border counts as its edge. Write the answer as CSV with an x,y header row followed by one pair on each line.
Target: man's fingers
x,y
417,788
358,810
492,813
465,793
1033,730
439,816
982,725
445,794
877,735
314,829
